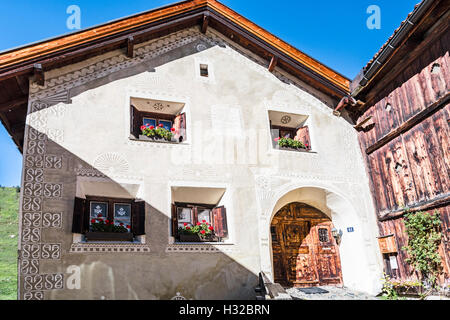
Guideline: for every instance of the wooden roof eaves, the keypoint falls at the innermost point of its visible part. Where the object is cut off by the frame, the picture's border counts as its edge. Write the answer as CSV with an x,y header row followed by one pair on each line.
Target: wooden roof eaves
x,y
14,61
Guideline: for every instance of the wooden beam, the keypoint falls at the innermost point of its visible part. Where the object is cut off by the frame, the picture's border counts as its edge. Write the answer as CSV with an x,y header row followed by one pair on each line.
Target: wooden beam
x,y
130,47
438,202
205,23
273,63
39,76
359,126
418,118
6,106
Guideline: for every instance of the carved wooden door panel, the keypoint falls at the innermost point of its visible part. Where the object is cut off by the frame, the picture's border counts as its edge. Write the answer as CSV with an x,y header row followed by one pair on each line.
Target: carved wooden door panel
x,y
326,253
304,252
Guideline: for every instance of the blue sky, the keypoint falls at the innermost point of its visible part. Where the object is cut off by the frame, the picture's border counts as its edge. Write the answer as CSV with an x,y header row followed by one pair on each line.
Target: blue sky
x,y
333,32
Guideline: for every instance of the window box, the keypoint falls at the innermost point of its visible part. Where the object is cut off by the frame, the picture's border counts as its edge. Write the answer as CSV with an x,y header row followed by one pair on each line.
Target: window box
x,y
109,236
195,238
157,139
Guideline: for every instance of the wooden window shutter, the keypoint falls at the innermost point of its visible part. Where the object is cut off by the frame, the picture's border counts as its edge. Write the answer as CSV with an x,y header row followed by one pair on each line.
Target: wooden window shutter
x,y
138,218
303,136
219,217
182,136
174,221
80,222
135,125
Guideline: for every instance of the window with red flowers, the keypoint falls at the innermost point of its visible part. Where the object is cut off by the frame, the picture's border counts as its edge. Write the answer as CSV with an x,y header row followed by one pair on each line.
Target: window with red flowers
x,y
109,215
158,121
186,216
289,131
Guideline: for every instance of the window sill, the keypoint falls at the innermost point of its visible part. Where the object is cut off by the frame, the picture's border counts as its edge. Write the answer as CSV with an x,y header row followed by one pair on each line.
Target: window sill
x,y
161,141
109,237
295,150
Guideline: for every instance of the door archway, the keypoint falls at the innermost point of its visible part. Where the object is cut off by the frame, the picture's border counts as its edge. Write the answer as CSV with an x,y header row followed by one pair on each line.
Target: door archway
x,y
304,252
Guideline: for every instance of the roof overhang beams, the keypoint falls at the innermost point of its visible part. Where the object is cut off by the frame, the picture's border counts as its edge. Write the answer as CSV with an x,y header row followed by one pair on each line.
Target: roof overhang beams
x,y
20,64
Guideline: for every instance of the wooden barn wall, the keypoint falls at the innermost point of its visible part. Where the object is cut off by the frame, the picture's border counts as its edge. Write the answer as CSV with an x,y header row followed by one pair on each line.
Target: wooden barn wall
x,y
397,227
407,145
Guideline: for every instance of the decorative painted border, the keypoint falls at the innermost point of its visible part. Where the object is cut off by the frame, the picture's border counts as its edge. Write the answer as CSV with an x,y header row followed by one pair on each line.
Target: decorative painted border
x,y
200,248
110,247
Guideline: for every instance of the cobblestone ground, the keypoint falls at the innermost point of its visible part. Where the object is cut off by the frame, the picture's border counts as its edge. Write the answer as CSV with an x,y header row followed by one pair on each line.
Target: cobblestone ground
x,y
334,293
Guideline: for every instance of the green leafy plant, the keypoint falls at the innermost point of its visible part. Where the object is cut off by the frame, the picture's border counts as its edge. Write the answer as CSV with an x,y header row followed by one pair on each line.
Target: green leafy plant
x,y
290,143
158,132
202,229
424,237
388,292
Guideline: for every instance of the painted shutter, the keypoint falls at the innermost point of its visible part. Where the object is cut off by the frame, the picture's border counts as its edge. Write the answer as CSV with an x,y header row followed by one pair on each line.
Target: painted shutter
x,y
80,222
135,126
303,136
174,221
138,218
219,216
183,133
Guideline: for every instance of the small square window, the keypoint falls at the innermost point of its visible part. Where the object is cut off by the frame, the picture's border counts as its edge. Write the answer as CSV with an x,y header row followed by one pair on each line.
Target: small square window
x,y
184,216
99,210
204,70
166,124
204,214
122,214
149,122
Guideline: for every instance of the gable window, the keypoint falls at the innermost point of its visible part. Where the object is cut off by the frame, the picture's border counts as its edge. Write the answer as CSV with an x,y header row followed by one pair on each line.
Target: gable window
x,y
289,131
204,70
199,214
157,121
108,219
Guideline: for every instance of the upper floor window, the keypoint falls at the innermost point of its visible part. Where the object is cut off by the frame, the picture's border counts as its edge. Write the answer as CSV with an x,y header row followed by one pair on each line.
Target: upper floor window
x,y
289,131
156,120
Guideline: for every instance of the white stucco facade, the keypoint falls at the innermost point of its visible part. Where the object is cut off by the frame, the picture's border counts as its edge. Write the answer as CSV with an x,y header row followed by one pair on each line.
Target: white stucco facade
x,y
81,117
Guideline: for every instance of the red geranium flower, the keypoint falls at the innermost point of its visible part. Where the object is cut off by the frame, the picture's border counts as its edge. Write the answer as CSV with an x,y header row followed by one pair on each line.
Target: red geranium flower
x,y
199,224
161,125
128,226
121,224
99,216
185,224
211,228
152,127
188,228
202,232
173,129
107,221
203,221
93,221
143,127
276,139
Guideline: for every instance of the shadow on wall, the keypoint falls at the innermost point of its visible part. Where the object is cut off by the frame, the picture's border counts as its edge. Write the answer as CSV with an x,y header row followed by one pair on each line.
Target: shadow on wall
x,y
142,269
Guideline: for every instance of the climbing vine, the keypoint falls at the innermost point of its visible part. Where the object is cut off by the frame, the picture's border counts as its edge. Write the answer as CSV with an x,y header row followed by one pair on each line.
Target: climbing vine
x,y
424,236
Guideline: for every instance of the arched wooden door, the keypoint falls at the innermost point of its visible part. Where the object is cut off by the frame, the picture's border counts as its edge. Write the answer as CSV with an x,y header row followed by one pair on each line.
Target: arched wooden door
x,y
304,252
